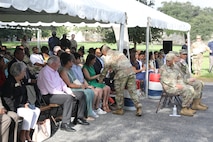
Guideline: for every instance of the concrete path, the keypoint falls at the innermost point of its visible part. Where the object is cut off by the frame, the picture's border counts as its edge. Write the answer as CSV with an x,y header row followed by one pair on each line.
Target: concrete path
x,y
151,127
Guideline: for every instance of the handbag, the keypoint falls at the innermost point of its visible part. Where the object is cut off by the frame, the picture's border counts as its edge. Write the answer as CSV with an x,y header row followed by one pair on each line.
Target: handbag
x,y
77,82
42,131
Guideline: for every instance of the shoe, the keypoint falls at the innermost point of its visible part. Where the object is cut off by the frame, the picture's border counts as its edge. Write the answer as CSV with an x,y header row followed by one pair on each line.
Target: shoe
x,y
196,105
118,112
139,110
185,111
90,118
94,114
66,127
82,121
100,111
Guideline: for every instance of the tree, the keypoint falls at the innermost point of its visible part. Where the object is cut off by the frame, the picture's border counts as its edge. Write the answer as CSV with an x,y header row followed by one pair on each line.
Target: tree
x,y
138,34
199,19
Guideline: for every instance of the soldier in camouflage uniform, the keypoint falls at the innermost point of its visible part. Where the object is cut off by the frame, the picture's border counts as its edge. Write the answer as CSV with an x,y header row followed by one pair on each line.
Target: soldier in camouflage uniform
x,y
124,76
196,84
173,83
197,50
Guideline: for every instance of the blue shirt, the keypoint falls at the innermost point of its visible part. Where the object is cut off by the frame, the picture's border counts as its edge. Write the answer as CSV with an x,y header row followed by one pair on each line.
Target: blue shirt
x,y
78,72
210,45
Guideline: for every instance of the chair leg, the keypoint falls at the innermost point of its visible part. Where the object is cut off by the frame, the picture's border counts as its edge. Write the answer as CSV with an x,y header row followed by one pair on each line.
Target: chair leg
x,y
178,100
160,101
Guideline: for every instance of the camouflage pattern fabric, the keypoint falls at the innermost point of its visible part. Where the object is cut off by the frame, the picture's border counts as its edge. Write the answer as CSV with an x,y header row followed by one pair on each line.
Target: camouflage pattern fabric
x,y
182,67
169,78
124,76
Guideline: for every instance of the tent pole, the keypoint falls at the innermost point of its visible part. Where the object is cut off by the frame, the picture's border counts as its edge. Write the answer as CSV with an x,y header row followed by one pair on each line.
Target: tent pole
x,y
188,51
147,56
38,38
121,39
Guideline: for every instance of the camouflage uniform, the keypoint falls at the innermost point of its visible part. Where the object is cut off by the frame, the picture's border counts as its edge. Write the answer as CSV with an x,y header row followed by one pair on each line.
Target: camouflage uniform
x,y
197,50
182,67
170,77
124,76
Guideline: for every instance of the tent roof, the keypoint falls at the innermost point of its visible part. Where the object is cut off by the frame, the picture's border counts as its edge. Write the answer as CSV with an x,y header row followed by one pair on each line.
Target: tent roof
x,y
60,11
137,14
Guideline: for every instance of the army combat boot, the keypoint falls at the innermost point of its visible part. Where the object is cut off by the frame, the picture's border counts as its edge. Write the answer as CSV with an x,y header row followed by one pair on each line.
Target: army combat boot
x,y
203,105
193,111
185,111
139,109
196,105
118,111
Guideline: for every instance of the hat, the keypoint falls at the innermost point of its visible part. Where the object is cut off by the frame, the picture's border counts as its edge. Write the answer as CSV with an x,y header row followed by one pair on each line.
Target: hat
x,y
170,56
183,51
198,36
175,53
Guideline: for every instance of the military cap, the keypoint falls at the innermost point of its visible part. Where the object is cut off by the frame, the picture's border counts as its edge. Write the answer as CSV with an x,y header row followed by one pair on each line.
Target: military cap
x,y
170,56
175,53
183,51
198,37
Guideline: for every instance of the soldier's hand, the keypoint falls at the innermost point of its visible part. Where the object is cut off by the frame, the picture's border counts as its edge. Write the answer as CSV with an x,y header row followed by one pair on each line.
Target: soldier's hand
x,y
192,79
3,111
180,87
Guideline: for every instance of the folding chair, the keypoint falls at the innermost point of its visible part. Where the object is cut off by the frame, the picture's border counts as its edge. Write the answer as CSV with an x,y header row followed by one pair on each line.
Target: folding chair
x,y
167,98
44,107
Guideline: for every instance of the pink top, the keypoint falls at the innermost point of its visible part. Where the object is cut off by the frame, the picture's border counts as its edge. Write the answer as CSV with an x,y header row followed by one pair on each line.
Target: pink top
x,y
49,82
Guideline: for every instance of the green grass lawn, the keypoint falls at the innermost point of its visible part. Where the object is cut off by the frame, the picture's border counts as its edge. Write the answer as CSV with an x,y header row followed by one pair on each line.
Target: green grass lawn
x,y
205,75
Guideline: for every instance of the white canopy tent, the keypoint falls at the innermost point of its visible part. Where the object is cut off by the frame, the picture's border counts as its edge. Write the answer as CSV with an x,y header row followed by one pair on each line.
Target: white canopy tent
x,y
89,11
59,12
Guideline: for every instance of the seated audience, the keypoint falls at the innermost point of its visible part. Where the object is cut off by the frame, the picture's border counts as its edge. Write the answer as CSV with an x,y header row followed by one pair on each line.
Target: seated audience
x,y
45,53
19,54
91,77
139,70
81,52
55,91
8,119
99,63
8,125
195,83
160,59
56,49
15,89
173,83
77,70
36,58
72,82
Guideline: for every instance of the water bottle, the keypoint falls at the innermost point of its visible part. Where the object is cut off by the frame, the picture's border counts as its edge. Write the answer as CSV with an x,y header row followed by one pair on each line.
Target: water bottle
x,y
175,110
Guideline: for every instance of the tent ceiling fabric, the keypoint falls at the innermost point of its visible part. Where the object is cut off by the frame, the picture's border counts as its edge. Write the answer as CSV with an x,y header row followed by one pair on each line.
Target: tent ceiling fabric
x,y
137,14
60,11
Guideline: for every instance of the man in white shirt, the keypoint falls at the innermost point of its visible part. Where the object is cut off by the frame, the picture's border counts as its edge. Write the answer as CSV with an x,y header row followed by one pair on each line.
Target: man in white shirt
x,y
37,58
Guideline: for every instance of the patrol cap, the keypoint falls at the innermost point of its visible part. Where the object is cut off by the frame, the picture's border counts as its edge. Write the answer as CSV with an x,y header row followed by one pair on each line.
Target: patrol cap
x,y
175,53
170,56
183,51
198,37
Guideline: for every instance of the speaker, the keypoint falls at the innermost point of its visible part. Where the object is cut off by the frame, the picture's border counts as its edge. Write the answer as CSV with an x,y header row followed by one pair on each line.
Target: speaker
x,y
167,46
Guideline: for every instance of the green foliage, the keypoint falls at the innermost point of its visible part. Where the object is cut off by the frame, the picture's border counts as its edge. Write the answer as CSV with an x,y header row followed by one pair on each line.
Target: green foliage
x,y
200,19
17,33
109,35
